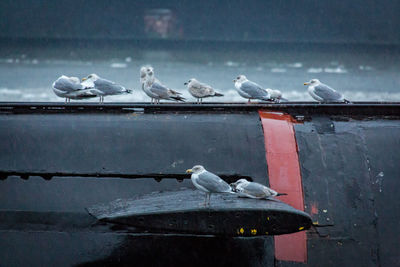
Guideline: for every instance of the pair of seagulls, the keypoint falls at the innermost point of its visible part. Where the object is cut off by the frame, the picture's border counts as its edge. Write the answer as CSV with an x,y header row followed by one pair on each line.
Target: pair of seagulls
x,y
90,86
319,91
156,90
210,183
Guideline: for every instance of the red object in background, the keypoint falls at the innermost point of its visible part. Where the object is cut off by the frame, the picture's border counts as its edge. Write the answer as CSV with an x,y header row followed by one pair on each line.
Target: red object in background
x,y
161,23
284,177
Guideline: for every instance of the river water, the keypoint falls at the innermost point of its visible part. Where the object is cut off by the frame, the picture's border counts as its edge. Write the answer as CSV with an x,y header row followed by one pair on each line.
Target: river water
x,y
362,74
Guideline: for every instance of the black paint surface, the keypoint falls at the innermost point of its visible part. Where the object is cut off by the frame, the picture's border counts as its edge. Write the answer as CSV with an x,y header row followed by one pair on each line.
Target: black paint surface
x,y
350,173
53,227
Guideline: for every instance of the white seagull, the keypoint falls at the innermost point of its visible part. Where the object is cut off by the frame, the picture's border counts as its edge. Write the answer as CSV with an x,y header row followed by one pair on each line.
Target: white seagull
x,y
208,182
250,90
248,189
323,93
143,78
102,87
155,89
71,88
276,95
200,90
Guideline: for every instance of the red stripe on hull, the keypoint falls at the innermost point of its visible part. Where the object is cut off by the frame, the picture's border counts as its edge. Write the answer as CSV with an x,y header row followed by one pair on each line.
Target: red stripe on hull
x,y
284,177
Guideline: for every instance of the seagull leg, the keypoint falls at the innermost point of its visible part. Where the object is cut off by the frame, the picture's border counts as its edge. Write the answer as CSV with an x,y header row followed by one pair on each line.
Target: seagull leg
x,y
209,199
249,101
201,100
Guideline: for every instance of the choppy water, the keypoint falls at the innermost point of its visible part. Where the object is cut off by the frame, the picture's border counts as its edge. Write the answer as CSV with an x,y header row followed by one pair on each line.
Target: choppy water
x,y
27,74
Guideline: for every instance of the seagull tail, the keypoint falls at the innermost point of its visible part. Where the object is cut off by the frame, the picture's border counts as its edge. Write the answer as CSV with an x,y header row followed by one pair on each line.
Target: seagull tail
x,y
178,98
218,94
281,194
128,91
347,101
174,92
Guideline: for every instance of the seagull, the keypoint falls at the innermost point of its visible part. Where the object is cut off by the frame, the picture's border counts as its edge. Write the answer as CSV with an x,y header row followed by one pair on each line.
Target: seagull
x,y
250,90
143,78
102,87
208,182
323,93
200,90
248,189
276,95
155,89
71,88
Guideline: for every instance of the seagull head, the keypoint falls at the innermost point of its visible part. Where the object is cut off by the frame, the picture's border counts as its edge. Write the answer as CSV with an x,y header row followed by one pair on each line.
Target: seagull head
x,y
238,182
275,94
91,77
75,79
240,79
196,169
188,83
149,71
312,82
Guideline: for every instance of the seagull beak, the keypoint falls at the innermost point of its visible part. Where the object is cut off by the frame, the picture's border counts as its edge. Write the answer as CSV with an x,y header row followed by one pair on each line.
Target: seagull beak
x,y
306,83
189,171
84,79
185,83
234,80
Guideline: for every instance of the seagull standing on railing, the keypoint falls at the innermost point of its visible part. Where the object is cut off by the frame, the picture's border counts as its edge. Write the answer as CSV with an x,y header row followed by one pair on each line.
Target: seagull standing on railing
x,y
102,87
200,90
71,88
208,182
323,93
155,89
248,189
250,90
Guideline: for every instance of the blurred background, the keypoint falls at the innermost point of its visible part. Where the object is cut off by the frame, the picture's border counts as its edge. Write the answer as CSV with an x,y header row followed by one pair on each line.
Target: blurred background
x,y
354,46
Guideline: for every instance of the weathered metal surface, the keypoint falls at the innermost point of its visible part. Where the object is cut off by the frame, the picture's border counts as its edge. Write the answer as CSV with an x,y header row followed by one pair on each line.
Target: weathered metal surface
x,y
184,212
350,171
349,165
131,145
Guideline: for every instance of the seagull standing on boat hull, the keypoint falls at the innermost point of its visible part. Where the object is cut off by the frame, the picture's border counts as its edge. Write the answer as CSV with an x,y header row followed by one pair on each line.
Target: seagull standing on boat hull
x,y
323,93
208,182
248,189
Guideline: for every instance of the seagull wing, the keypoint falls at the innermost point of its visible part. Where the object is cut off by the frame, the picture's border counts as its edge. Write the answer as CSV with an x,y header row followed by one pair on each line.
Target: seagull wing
x,y
254,90
202,90
213,183
160,90
255,190
327,93
66,84
109,87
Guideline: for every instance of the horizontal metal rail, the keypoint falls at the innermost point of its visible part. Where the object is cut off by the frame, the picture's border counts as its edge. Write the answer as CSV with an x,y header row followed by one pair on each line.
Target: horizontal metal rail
x,y
156,176
293,108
